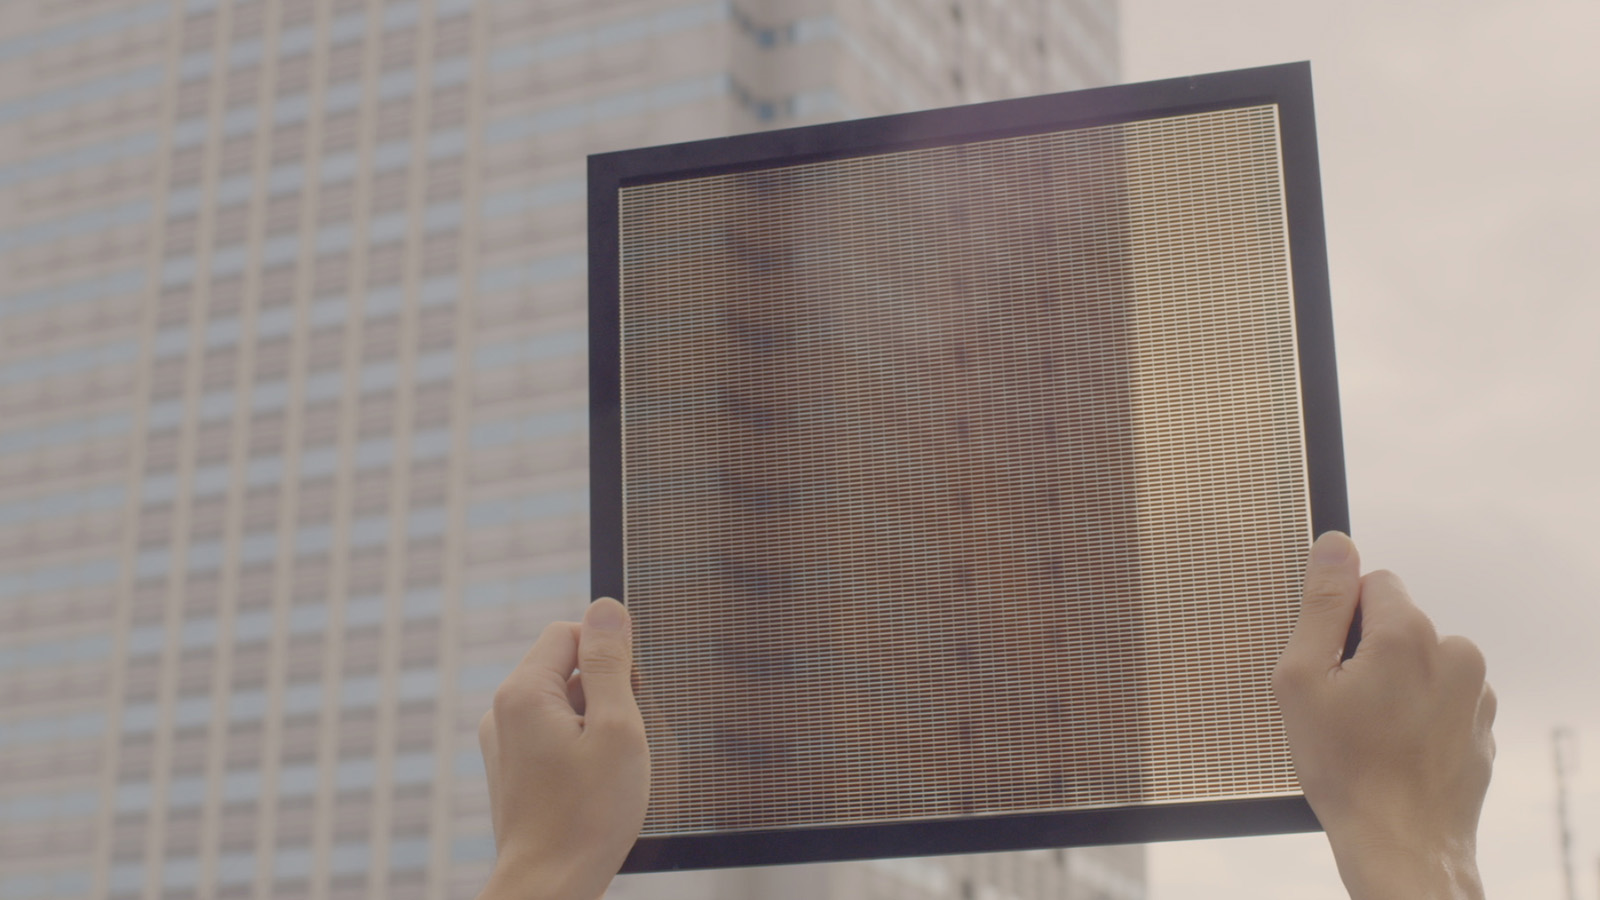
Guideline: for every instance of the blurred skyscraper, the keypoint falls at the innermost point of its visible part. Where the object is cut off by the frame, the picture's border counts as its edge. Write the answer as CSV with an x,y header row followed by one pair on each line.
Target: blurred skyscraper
x,y
292,417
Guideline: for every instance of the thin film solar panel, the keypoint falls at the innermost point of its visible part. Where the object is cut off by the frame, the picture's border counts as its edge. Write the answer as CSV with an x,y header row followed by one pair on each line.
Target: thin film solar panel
x,y
959,469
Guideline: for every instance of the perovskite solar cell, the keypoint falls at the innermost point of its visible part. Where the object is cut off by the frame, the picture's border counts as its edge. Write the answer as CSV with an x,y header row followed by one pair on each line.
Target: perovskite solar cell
x,y
959,469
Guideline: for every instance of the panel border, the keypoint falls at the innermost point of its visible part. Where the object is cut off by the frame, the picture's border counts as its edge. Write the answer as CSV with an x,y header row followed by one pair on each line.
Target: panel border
x,y
1289,87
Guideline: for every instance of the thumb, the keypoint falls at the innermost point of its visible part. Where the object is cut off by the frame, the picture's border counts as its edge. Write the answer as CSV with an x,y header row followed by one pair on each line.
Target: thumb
x,y
1328,605
605,657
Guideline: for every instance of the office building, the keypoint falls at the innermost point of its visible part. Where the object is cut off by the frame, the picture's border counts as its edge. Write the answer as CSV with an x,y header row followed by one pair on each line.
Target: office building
x,y
292,406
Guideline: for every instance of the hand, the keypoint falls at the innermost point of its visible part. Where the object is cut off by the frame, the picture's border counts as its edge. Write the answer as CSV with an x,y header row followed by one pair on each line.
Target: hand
x,y
569,771
1392,746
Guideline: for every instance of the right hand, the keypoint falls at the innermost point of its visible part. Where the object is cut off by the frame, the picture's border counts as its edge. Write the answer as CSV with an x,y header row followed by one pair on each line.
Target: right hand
x,y
1392,746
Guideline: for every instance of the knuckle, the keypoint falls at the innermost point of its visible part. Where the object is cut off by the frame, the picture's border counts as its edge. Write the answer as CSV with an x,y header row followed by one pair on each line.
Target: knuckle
x,y
1323,590
554,629
1464,657
609,657
625,729
1385,585
1385,580
1288,679
486,729
513,700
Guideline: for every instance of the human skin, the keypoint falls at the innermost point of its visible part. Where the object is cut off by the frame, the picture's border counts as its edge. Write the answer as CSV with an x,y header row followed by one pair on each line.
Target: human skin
x,y
567,763
1393,746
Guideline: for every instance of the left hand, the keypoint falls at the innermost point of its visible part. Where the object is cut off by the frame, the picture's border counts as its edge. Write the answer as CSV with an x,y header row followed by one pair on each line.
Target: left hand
x,y
568,767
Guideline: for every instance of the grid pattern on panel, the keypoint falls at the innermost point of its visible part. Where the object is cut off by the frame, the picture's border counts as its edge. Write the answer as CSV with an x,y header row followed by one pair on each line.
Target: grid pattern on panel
x,y
965,480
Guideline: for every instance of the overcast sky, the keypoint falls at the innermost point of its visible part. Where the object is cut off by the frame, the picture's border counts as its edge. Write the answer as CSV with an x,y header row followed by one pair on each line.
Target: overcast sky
x,y
1459,146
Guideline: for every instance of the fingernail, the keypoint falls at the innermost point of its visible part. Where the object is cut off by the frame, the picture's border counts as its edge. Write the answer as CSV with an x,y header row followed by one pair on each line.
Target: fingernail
x,y
606,614
1331,549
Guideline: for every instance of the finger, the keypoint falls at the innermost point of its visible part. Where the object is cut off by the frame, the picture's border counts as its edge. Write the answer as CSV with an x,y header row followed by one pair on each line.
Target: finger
x,y
1328,603
1390,619
1488,706
605,656
1462,664
575,693
540,679
489,744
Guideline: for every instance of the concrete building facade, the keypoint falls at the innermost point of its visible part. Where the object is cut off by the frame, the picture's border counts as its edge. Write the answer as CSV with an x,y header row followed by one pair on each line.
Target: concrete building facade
x,y
292,407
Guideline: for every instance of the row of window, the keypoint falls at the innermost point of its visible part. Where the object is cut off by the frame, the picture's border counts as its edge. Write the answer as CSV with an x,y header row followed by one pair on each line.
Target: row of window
x,y
280,321
233,259
59,578
76,225
332,167
28,809
660,25
62,504
61,652
86,291
52,728
663,24
105,88
275,395
46,885
317,462
69,362
330,239
257,625
601,109
301,38
87,29
298,780
336,98
396,14
354,692
58,162
104,425
428,444
93,426
366,531
344,858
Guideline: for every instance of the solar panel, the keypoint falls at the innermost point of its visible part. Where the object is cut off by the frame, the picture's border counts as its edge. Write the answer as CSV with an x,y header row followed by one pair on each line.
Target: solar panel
x,y
959,469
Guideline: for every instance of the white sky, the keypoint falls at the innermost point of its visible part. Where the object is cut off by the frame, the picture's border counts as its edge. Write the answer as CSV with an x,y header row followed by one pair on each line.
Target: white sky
x,y
1460,148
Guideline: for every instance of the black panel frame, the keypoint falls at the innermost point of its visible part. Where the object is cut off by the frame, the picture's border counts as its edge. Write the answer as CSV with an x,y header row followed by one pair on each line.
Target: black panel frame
x,y
1289,87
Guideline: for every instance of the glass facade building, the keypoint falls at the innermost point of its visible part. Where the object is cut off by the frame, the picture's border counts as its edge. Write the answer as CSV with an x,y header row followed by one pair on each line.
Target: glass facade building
x,y
292,407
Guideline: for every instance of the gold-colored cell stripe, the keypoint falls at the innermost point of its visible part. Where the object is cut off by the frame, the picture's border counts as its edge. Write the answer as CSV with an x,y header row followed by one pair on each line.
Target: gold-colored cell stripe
x,y
966,480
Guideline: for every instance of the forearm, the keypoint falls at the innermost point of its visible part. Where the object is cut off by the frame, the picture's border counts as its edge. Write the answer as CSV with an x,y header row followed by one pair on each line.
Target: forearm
x,y
1394,874
512,882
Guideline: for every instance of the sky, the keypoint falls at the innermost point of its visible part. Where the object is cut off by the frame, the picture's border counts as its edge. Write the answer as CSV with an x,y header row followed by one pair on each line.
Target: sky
x,y
1460,153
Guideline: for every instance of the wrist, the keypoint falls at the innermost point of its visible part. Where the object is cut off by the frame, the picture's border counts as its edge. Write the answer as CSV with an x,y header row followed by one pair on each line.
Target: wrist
x,y
1396,871
516,877
511,880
